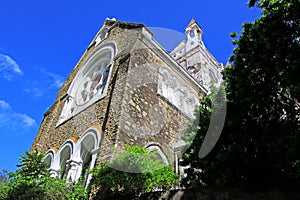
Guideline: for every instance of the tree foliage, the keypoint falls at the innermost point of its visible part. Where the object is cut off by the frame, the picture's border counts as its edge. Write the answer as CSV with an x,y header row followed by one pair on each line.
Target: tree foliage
x,y
259,145
4,176
33,181
133,172
263,90
203,171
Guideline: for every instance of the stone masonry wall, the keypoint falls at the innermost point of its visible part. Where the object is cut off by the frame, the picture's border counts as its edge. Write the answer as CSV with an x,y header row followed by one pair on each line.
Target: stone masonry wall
x,y
132,112
146,116
97,114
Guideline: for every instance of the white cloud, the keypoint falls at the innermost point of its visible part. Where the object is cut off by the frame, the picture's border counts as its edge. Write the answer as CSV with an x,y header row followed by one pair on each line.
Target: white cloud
x,y
56,80
4,105
34,91
8,67
46,83
25,120
13,120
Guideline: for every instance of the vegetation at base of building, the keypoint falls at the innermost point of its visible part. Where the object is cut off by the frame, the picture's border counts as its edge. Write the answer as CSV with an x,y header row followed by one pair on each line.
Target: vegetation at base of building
x,y
133,172
259,144
33,181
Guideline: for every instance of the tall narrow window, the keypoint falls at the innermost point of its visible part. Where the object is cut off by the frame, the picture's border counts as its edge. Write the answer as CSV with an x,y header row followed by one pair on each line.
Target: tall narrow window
x,y
65,155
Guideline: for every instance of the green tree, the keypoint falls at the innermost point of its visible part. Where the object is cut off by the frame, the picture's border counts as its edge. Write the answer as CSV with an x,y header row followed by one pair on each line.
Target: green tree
x,y
4,178
263,90
204,171
4,175
33,181
133,172
259,145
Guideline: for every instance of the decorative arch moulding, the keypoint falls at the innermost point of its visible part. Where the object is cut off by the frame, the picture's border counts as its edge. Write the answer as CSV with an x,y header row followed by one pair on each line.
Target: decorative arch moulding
x,y
67,161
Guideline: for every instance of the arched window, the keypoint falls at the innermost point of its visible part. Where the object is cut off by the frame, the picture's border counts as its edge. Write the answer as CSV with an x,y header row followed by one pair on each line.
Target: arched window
x,y
74,158
49,157
156,147
85,153
192,33
63,157
86,147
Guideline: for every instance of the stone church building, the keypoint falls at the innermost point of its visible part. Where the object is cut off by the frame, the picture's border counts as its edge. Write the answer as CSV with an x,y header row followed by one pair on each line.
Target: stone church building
x,y
126,89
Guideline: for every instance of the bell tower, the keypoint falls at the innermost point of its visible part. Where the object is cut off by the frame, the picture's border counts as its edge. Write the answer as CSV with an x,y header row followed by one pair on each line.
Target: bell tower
x,y
193,56
194,35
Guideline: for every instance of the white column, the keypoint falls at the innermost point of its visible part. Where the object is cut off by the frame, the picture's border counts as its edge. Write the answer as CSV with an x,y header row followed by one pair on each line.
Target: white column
x,y
54,173
93,161
74,170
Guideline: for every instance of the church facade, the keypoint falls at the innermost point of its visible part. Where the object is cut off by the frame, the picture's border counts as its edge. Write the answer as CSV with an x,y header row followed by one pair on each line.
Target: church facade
x,y
126,89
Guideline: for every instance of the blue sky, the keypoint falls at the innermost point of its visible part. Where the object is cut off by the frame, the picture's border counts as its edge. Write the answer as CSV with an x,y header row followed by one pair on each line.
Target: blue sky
x,y
41,42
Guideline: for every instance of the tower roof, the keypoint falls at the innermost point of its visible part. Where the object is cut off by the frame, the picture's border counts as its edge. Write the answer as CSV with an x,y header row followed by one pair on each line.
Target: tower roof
x,y
228,64
192,22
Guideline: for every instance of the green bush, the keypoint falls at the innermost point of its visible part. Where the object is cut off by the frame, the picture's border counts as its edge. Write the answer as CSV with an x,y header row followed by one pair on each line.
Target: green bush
x,y
134,172
33,181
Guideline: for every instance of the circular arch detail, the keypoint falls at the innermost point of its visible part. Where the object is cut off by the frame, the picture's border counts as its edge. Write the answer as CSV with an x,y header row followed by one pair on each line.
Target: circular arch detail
x,y
73,154
152,146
